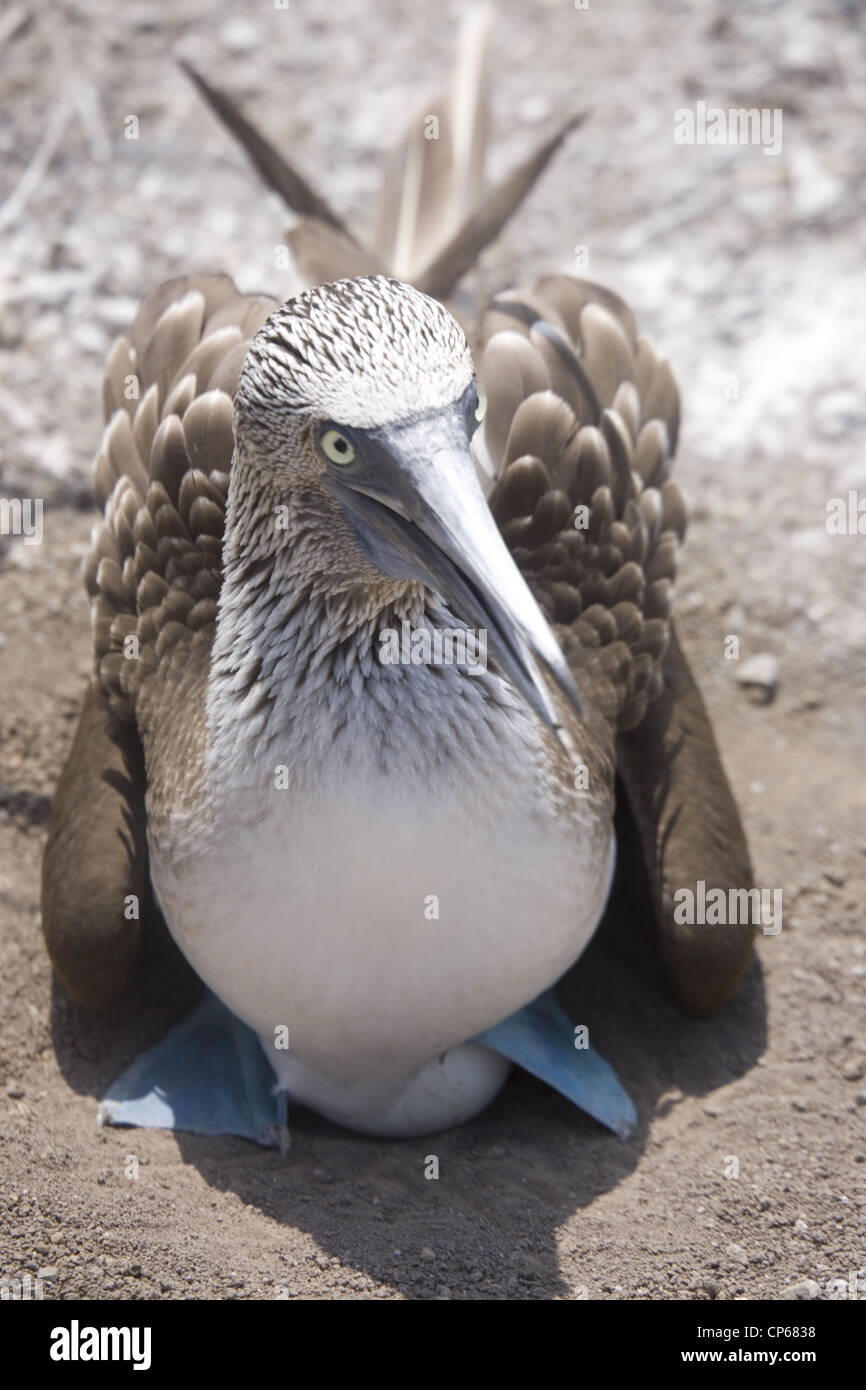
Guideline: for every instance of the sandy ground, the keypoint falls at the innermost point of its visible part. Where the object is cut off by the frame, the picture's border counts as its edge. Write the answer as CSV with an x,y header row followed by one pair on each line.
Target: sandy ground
x,y
747,269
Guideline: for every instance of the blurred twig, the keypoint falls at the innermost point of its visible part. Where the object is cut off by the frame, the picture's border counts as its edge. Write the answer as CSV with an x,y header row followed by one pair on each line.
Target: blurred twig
x,y
35,171
83,94
14,19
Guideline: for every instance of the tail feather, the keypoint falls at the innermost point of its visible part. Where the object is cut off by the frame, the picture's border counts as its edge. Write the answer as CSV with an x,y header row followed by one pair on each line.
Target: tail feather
x,y
434,174
322,254
276,171
486,222
436,214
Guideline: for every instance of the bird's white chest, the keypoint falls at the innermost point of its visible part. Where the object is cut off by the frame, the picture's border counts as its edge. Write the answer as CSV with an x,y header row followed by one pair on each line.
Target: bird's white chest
x,y
381,928
383,913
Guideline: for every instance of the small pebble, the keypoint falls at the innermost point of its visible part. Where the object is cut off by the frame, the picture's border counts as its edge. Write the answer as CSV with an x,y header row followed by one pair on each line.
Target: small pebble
x,y
759,677
240,35
807,1289
735,618
838,413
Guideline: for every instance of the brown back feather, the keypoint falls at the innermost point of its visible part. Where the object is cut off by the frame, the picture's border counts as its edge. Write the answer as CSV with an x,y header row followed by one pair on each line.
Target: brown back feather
x,y
580,429
155,568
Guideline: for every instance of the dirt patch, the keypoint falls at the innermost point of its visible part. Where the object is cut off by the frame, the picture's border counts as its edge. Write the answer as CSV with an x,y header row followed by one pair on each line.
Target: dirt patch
x,y
745,268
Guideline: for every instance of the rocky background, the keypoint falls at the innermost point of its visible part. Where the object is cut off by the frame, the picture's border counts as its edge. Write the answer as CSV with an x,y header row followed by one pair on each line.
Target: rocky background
x,y
747,268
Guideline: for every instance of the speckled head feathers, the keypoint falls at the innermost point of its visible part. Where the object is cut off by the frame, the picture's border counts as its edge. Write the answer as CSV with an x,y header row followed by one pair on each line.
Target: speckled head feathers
x,y
364,353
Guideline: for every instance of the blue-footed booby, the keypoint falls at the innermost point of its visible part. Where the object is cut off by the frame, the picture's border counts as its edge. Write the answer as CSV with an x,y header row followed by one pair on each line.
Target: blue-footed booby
x,y
375,864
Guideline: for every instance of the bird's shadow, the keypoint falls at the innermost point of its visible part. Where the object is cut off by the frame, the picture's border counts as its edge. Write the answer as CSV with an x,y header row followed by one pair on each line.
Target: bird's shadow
x,y
477,1208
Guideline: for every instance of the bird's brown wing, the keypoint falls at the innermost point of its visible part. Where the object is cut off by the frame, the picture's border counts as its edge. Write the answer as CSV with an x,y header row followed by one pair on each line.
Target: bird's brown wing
x,y
153,574
577,443
691,830
580,426
95,869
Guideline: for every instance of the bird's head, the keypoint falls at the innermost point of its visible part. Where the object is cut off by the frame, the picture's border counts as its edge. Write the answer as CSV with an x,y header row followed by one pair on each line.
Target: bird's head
x,y
364,390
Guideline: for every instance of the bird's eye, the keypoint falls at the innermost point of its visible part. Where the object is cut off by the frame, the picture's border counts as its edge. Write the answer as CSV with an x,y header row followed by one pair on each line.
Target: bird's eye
x,y
336,447
481,405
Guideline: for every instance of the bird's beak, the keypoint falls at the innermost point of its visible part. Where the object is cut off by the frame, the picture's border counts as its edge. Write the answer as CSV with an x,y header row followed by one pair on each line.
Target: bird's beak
x,y
414,502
